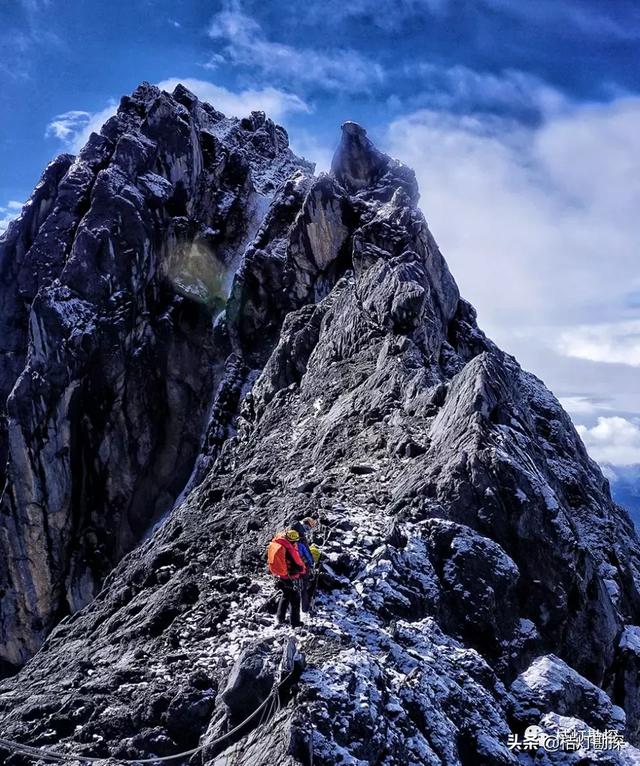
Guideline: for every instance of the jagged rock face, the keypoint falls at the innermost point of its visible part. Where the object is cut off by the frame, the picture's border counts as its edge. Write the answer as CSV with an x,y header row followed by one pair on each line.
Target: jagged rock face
x,y
109,284
478,578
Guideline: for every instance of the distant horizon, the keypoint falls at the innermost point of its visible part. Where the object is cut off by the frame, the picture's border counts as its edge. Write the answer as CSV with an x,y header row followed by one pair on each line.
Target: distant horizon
x,y
528,166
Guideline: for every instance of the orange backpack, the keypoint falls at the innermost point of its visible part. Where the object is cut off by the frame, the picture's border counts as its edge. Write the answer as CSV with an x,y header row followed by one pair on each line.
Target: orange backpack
x,y
277,558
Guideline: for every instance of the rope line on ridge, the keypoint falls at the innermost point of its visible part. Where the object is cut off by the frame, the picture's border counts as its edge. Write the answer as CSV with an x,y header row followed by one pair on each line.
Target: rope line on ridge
x,y
264,710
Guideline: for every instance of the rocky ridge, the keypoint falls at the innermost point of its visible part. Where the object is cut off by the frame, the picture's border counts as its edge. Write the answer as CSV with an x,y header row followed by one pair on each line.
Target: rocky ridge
x,y
478,577
109,281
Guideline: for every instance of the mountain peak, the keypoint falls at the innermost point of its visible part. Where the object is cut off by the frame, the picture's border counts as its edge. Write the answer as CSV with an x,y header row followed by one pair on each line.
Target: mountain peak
x,y
356,162
200,342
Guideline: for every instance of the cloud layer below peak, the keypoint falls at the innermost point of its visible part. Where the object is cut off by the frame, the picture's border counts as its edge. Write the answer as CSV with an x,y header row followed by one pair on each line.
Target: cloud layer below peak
x,y
613,440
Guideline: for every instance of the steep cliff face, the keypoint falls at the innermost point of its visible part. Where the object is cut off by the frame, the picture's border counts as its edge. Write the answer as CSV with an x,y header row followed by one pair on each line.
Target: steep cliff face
x,y
478,577
110,283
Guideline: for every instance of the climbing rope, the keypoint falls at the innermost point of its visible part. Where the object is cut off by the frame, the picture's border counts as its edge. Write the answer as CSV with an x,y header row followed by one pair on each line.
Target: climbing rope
x,y
265,711
328,531
52,755
272,704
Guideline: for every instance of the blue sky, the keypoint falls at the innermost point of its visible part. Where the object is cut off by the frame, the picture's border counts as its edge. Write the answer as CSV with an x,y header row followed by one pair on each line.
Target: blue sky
x,y
521,119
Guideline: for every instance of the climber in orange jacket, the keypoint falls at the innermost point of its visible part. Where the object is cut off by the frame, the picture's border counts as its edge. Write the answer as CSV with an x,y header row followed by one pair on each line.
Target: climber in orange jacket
x,y
286,564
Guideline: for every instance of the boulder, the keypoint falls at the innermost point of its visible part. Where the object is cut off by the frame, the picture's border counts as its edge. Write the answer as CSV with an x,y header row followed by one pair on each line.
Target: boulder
x,y
549,685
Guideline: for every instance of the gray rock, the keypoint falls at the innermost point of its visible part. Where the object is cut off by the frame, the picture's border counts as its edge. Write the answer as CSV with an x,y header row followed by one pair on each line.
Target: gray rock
x,y
549,685
108,365
626,686
448,566
250,682
556,726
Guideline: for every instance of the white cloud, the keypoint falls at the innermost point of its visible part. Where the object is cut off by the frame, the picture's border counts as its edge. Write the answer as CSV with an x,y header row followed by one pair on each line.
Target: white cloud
x,y
7,213
554,17
583,405
25,29
614,343
306,145
246,44
389,15
538,223
65,125
614,22
459,88
610,389
73,128
276,103
613,440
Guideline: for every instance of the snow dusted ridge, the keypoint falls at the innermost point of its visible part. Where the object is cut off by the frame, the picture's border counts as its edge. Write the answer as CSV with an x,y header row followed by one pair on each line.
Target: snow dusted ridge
x,y
478,578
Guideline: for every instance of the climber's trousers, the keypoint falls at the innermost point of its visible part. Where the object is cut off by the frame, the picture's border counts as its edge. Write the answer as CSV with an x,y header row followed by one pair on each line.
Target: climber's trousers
x,y
289,599
308,589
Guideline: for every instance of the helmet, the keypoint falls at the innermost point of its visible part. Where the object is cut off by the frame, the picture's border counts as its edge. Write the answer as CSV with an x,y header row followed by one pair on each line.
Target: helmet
x,y
292,535
313,523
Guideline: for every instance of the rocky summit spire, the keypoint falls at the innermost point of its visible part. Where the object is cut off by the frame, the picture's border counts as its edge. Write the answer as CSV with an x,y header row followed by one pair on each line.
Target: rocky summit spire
x,y
356,162
359,167
477,579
